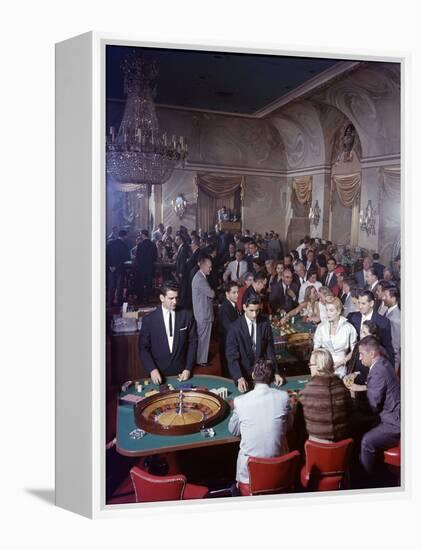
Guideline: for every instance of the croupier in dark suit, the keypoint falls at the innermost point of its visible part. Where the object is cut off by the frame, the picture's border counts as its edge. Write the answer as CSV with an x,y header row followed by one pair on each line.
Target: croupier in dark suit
x,y
367,313
249,338
168,339
228,313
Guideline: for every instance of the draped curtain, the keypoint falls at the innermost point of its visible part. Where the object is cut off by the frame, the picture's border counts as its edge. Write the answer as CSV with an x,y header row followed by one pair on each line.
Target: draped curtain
x,y
390,191
301,196
347,188
213,192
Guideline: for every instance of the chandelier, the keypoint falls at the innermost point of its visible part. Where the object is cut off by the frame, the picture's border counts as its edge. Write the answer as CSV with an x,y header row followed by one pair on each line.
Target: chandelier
x,y
139,154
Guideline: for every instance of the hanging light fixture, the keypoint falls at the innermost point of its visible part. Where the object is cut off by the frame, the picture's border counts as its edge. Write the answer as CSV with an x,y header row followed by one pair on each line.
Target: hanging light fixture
x,y
139,154
314,214
368,219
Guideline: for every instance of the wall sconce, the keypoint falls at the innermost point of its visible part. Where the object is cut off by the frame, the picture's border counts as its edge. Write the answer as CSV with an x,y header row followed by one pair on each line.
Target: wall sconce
x,y
368,219
179,206
314,214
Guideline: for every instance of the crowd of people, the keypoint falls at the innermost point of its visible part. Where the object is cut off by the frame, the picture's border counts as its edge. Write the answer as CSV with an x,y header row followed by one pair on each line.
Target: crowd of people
x,y
236,284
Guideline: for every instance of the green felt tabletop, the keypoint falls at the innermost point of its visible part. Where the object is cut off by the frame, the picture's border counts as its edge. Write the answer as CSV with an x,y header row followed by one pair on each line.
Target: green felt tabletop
x,y
153,444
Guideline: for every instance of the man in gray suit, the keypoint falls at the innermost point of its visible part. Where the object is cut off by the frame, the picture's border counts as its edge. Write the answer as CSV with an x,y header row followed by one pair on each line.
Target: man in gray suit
x,y
393,313
262,418
203,296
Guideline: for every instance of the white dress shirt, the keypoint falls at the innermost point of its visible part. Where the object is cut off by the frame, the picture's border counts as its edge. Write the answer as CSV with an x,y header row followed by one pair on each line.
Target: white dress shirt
x,y
250,324
166,313
366,318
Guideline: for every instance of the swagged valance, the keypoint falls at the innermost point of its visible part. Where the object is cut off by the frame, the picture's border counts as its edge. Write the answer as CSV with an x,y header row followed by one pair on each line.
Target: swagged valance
x,y
348,188
219,186
302,186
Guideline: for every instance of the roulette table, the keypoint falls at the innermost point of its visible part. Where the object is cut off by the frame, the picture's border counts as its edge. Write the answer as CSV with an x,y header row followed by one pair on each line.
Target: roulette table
x,y
155,443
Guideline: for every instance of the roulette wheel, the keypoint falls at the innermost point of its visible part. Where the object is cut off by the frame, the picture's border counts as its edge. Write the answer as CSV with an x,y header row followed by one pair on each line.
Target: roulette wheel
x,y
180,412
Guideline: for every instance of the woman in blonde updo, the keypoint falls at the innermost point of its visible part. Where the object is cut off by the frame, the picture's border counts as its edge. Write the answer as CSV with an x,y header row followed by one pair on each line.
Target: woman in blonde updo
x,y
336,335
326,401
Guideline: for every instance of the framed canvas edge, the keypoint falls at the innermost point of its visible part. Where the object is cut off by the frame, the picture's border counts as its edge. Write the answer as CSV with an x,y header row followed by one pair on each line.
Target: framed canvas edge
x,y
99,42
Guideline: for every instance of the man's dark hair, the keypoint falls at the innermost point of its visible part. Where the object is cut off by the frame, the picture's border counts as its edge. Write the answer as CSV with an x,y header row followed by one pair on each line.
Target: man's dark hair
x,y
252,300
123,233
355,291
306,239
239,250
260,277
263,372
332,259
167,286
373,328
372,271
367,293
230,285
370,343
253,243
309,273
384,284
145,232
393,292
349,281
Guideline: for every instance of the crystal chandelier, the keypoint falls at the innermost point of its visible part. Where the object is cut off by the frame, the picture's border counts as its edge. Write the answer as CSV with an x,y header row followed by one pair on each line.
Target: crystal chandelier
x,y
139,154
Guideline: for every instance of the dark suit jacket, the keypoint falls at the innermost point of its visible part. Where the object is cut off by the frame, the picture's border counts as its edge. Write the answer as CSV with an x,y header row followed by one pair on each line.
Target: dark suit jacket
x,y
333,284
118,252
278,300
239,347
379,269
383,394
153,344
181,260
227,315
146,255
359,277
384,327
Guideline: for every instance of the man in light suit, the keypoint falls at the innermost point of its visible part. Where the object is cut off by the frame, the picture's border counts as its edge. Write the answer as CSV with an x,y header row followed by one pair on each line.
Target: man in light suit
x,y
168,339
236,269
393,313
362,276
349,292
203,295
262,418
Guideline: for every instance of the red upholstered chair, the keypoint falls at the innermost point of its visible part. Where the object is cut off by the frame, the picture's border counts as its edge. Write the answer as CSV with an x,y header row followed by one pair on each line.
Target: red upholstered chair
x,y
271,475
150,488
327,464
392,456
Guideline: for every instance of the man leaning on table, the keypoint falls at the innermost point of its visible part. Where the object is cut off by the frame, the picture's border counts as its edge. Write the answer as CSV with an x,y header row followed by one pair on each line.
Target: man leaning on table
x,y
168,339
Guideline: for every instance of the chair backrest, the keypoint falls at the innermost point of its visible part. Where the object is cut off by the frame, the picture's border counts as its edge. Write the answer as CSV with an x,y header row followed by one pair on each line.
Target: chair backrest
x,y
150,488
272,475
327,459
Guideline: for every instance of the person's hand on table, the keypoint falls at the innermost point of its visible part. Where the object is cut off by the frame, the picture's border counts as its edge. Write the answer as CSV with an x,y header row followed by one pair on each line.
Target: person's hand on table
x,y
156,376
185,375
284,320
278,380
242,385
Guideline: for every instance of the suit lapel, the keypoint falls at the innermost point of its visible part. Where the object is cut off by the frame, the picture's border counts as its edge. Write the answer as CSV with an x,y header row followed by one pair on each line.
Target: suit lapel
x,y
164,330
177,326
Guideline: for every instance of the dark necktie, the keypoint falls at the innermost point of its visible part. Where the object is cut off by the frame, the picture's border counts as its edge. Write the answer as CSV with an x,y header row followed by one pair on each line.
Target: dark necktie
x,y
170,324
238,270
252,337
